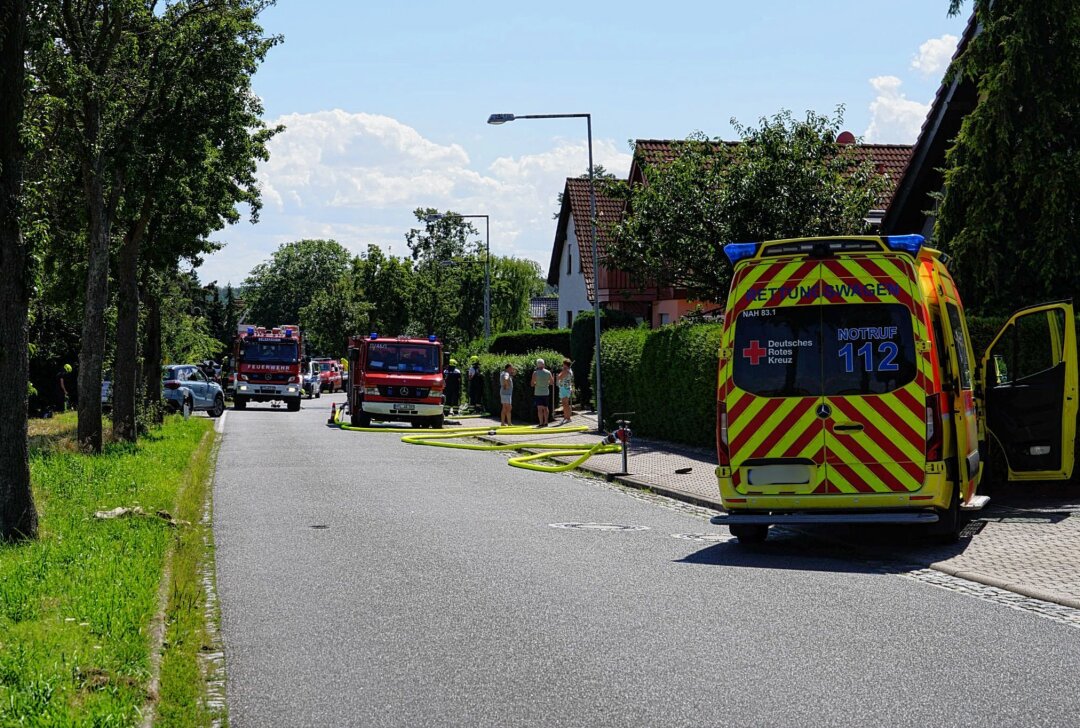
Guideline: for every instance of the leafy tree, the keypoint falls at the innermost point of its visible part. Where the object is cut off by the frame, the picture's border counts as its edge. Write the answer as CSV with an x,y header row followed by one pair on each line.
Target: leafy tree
x,y
387,282
514,281
785,178
1009,212
335,314
18,517
186,335
442,251
277,290
192,161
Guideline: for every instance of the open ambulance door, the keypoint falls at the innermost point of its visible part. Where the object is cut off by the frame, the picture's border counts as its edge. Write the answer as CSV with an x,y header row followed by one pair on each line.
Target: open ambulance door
x,y
1029,386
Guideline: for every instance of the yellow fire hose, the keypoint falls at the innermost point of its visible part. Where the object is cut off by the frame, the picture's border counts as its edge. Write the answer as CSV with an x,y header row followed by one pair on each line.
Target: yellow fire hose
x,y
441,438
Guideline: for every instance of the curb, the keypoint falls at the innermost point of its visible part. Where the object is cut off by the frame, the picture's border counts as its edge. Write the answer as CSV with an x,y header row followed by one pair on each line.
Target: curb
x,y
976,576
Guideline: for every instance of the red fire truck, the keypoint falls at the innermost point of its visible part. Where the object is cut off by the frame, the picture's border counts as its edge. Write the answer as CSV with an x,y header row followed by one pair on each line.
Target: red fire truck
x,y
267,365
395,379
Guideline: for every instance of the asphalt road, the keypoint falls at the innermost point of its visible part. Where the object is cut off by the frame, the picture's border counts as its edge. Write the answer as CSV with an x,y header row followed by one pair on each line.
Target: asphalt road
x,y
367,582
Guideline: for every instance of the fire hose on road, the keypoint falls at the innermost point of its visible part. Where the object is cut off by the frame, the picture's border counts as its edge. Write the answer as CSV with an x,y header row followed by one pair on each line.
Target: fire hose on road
x,y
444,438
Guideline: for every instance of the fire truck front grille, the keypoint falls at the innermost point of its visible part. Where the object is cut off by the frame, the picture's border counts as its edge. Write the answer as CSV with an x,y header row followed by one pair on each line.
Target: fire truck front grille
x,y
409,392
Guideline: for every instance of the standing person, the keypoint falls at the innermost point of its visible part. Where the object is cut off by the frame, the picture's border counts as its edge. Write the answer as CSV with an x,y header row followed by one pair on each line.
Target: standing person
x,y
476,385
541,384
452,384
506,393
565,380
61,395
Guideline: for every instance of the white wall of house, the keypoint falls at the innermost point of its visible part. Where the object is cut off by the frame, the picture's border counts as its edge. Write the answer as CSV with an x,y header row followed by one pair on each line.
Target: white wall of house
x,y
573,294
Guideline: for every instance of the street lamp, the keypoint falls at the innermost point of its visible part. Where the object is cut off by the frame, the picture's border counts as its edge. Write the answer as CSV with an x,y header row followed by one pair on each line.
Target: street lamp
x,y
496,119
487,265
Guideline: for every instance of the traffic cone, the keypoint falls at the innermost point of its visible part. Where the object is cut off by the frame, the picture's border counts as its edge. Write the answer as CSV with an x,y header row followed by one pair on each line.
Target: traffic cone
x,y
333,414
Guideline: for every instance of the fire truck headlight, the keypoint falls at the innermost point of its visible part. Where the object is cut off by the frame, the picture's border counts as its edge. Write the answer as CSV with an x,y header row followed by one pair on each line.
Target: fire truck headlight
x,y
292,389
243,387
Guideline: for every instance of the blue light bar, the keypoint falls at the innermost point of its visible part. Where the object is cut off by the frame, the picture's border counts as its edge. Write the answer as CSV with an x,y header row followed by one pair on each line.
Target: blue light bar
x,y
737,251
374,336
431,337
905,243
288,333
251,331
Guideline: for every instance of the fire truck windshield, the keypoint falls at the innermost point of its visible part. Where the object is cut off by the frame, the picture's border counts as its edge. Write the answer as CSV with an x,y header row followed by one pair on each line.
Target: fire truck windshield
x,y
394,357
277,352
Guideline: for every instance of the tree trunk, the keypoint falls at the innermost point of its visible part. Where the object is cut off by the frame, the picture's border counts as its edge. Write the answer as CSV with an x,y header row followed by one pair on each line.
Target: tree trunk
x,y
126,363
18,518
152,348
92,353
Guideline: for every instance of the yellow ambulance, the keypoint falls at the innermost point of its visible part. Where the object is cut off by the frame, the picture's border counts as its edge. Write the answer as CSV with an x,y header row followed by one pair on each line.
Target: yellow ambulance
x,y
848,391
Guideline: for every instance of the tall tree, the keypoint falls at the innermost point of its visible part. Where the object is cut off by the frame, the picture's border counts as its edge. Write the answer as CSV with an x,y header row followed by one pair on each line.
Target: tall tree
x,y
1009,212
443,250
786,177
277,290
192,161
387,282
91,56
18,518
333,315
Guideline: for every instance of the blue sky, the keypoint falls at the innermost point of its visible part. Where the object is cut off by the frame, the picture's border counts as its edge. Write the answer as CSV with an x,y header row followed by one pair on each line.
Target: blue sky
x,y
385,103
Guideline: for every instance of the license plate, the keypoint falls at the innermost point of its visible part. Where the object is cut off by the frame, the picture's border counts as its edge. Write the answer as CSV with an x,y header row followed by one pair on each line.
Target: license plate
x,y
267,390
404,408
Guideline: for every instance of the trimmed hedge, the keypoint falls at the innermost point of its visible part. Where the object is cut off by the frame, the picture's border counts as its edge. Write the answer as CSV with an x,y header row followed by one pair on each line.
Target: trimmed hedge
x,y
527,340
491,366
667,377
583,342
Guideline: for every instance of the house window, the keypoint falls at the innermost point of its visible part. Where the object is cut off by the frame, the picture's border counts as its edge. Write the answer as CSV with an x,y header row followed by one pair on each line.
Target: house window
x,y
569,319
569,262
665,318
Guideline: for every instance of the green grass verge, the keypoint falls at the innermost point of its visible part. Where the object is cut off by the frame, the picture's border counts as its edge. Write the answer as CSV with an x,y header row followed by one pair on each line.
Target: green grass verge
x,y
76,605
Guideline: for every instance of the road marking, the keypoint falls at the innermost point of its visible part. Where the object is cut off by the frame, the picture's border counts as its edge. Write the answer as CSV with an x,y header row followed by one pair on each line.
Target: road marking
x,y
219,426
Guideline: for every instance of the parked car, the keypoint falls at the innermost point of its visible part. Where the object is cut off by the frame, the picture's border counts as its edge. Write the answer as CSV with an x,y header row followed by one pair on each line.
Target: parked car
x,y
312,380
330,374
188,390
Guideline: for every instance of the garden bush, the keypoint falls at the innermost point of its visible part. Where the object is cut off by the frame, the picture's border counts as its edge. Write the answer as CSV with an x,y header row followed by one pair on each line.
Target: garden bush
x,y
583,342
667,377
522,342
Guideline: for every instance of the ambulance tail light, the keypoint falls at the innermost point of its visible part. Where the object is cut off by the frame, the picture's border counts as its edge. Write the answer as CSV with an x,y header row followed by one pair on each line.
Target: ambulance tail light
x,y
934,430
722,454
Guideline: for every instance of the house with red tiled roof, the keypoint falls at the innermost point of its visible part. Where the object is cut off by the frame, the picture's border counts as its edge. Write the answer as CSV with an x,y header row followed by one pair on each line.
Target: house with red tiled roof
x,y
571,267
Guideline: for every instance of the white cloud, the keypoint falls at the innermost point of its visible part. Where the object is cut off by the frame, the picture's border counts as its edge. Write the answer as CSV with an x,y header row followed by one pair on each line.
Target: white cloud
x,y
934,55
357,177
894,118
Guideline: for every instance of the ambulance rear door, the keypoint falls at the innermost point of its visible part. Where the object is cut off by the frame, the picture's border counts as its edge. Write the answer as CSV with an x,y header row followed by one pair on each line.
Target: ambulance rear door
x,y
1029,386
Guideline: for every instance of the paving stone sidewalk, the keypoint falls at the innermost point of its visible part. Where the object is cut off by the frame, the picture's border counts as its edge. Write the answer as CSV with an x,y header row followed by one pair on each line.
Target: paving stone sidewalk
x,y
1027,541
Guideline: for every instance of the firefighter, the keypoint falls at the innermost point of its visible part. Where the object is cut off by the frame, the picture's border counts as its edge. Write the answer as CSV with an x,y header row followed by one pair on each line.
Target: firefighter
x,y
452,379
476,385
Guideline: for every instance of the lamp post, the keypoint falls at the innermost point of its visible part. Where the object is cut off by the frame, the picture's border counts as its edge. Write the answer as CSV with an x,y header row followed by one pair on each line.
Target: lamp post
x,y
487,265
497,119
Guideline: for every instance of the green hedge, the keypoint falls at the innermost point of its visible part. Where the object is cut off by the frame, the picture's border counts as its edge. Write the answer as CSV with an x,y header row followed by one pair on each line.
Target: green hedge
x,y
583,341
667,377
527,340
491,366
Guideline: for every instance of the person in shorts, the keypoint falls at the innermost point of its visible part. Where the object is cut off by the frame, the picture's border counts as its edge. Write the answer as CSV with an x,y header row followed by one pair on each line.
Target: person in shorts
x,y
541,385
565,380
506,393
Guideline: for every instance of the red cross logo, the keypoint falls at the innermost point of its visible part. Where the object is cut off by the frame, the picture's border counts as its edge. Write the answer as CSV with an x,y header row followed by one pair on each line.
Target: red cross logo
x,y
754,352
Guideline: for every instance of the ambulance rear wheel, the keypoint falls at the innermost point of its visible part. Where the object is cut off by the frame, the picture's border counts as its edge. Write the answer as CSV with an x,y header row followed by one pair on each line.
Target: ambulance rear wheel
x,y
950,523
749,532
